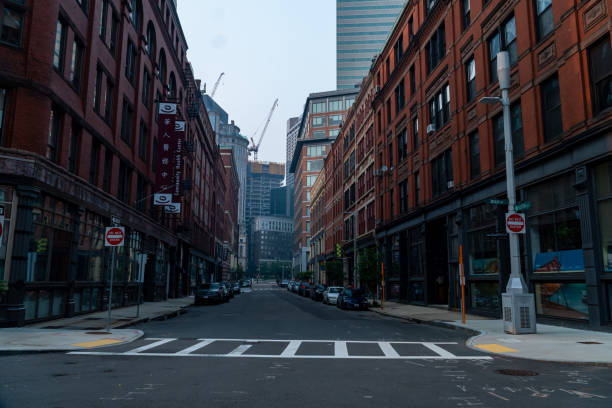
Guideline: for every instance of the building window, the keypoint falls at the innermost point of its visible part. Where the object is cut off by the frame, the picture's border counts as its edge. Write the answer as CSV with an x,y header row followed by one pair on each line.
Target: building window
x,y
544,17
436,48
398,50
108,170
442,173
310,180
470,77
314,165
318,134
403,196
412,81
417,187
76,65
11,26
150,46
465,13
348,103
402,145
335,105
162,67
142,141
130,62
83,4
172,86
603,192
97,90
389,111
75,142
474,155
400,96
600,61
53,140
127,114
60,46
516,125
551,108
390,154
439,108
314,151
318,121
94,162
135,14
114,40
319,107
335,120
146,88
103,20
415,134
504,39
2,110
430,4
125,175
482,250
141,186
108,100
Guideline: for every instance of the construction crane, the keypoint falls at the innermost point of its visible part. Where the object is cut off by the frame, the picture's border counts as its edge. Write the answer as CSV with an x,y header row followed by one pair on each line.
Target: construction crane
x,y
216,86
255,147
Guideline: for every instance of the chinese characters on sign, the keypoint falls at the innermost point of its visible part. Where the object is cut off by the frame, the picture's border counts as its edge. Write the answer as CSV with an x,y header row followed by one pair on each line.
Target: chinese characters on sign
x,y
168,178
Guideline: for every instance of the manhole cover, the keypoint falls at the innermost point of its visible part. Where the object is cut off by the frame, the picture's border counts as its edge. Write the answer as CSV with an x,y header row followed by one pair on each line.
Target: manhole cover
x,y
517,373
59,375
589,342
98,333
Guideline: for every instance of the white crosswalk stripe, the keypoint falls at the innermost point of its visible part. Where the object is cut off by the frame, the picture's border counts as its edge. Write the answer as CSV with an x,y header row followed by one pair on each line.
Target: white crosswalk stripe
x,y
323,349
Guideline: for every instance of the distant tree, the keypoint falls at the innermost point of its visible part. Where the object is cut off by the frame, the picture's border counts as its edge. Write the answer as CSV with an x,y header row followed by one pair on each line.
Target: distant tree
x,y
304,276
334,272
369,274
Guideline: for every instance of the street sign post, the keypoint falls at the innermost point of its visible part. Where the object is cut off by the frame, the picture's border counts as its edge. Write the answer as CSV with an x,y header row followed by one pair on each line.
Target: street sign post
x,y
523,206
515,223
114,237
496,201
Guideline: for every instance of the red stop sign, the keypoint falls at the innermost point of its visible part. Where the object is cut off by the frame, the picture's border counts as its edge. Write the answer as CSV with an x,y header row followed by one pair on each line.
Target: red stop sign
x,y
114,236
515,223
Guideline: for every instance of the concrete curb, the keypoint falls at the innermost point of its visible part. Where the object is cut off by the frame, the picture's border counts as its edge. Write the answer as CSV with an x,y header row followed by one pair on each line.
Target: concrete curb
x,y
163,316
436,323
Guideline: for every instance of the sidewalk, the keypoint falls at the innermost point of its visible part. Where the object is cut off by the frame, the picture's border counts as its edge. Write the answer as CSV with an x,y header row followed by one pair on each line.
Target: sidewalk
x,y
550,343
88,331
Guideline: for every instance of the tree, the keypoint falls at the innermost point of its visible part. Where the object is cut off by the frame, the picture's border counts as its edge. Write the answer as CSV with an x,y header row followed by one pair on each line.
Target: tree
x,y
304,276
335,274
369,274
239,272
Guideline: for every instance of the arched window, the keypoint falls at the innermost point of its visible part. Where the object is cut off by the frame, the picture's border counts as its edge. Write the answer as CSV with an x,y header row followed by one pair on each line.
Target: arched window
x,y
172,86
136,14
151,40
162,66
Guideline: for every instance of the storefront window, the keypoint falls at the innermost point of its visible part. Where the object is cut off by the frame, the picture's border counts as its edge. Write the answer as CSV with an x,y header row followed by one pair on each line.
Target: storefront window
x,y
554,227
417,257
483,258
568,300
603,181
485,295
135,247
91,247
6,198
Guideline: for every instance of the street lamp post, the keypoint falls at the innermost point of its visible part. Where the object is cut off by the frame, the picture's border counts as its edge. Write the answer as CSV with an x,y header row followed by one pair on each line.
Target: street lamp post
x,y
518,305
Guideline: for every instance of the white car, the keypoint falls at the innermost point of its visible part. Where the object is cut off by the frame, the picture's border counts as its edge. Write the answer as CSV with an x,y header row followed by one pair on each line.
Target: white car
x,y
330,296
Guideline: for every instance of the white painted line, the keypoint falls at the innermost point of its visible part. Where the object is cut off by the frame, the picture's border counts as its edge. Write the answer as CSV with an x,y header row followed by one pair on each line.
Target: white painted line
x,y
291,348
157,343
276,356
439,350
326,341
201,344
388,349
240,349
340,349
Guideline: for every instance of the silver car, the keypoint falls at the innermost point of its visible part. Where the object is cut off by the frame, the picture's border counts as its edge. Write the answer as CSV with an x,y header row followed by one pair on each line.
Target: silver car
x,y
330,296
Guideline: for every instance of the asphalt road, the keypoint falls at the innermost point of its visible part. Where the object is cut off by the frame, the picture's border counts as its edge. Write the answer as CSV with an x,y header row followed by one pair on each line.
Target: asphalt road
x,y
271,348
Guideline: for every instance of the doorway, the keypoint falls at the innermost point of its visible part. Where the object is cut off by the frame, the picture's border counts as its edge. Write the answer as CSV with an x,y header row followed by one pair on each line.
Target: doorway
x,y
437,263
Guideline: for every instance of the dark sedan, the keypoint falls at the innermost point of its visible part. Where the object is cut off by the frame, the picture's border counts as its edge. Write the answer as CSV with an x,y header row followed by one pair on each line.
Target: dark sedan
x,y
317,292
209,293
352,299
304,289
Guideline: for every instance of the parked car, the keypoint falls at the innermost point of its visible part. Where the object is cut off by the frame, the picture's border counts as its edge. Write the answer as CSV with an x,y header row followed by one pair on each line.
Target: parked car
x,y
352,299
330,296
284,283
290,285
304,289
296,286
317,292
236,286
209,293
245,283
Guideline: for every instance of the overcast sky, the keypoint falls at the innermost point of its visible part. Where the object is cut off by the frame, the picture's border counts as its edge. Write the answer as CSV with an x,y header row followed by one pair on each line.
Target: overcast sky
x,y
268,49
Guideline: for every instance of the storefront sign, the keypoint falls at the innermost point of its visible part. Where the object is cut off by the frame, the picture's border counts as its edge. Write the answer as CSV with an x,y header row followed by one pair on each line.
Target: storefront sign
x,y
1,224
114,236
173,208
515,223
179,134
162,199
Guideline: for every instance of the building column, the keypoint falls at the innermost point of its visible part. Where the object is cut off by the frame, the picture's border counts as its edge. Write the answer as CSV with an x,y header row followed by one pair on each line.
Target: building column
x,y
588,231
28,197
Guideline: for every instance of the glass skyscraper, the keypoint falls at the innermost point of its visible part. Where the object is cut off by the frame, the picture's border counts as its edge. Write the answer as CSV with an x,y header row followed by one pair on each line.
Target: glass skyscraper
x,y
362,27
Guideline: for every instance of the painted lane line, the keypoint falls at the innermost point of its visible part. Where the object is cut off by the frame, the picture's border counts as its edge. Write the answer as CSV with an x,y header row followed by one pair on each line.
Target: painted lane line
x,y
388,349
276,356
203,343
329,341
157,343
291,348
238,351
439,350
340,349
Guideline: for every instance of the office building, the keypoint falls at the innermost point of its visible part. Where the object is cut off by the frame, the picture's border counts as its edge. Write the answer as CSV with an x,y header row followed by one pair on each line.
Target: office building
x,y
272,246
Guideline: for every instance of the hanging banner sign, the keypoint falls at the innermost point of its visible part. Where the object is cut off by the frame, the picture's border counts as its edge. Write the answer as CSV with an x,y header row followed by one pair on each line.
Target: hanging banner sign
x,y
166,147
173,208
179,134
162,199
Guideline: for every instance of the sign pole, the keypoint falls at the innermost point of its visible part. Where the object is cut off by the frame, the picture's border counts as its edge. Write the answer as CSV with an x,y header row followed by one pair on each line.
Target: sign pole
x,y
462,283
110,290
382,272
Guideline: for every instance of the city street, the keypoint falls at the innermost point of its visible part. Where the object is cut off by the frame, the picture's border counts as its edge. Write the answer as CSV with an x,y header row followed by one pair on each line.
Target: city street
x,y
271,348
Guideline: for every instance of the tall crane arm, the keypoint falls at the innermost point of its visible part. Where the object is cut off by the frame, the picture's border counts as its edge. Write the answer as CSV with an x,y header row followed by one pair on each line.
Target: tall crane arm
x,y
216,86
263,132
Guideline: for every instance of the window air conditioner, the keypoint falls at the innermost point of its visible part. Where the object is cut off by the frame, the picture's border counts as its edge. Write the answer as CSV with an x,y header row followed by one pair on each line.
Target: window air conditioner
x,y
431,128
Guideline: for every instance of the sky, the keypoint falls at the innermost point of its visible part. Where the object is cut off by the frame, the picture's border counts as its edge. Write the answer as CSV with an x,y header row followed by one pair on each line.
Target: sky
x,y
268,49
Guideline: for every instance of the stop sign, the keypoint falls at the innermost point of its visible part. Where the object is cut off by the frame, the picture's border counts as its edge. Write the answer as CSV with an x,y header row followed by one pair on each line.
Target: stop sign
x,y
114,236
515,223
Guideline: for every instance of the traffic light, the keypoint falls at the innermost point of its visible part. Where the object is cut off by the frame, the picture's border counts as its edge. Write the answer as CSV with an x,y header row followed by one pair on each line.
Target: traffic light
x,y
41,245
338,251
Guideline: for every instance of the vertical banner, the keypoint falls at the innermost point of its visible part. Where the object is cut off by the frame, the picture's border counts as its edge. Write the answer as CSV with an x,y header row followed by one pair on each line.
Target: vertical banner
x,y
179,137
166,147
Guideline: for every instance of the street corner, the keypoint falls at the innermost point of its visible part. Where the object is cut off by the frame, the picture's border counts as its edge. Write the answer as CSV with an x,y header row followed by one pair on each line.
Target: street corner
x,y
99,339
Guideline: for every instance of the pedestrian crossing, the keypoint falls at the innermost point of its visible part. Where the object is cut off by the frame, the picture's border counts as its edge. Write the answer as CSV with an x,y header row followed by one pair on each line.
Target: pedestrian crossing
x,y
291,349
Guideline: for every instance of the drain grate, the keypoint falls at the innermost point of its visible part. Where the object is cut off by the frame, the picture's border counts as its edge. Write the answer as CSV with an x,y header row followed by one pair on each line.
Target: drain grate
x,y
517,373
589,342
98,333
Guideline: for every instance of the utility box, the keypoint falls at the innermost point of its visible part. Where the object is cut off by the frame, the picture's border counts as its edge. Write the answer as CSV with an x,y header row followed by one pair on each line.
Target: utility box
x,y
519,313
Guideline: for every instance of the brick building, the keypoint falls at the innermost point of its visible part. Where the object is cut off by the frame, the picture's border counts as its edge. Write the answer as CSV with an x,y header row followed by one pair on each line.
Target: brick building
x,y
79,86
440,153
317,228
230,216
